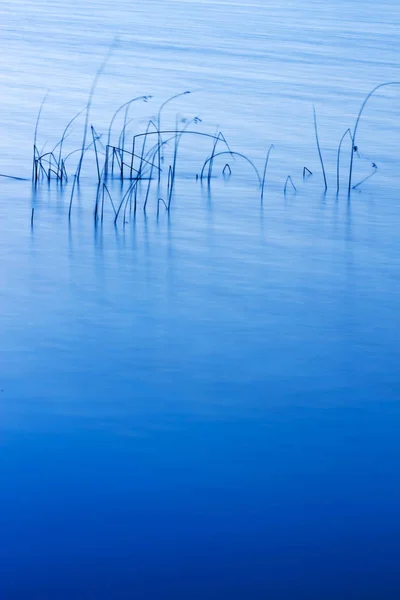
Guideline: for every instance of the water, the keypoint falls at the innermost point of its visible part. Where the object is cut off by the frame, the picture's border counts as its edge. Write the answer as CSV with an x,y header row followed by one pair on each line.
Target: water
x,y
202,404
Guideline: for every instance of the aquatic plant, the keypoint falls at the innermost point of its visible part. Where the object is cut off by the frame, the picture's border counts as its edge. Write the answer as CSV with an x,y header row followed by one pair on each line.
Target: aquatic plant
x,y
319,149
355,130
144,161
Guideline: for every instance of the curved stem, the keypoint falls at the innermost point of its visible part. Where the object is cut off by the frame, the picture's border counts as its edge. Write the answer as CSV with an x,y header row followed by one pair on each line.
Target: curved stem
x,y
348,131
125,105
319,148
36,130
159,124
265,171
232,154
378,87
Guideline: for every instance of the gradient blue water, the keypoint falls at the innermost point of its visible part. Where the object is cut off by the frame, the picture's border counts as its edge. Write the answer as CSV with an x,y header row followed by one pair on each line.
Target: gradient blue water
x,y
204,405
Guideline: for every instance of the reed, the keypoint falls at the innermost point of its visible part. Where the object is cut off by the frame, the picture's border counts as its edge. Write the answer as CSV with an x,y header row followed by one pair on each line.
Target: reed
x,y
64,136
163,105
233,154
319,148
95,138
265,171
287,182
87,114
347,132
355,130
34,170
144,160
375,169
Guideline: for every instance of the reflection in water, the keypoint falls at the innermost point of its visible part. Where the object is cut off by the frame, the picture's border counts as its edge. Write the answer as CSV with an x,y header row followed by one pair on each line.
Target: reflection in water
x,y
222,376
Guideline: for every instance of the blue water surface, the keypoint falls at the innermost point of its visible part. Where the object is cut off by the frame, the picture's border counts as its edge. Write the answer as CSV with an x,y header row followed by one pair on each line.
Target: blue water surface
x,y
202,403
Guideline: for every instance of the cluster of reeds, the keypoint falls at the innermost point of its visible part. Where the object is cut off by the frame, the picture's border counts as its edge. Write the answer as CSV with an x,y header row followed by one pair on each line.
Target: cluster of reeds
x,y
137,158
140,158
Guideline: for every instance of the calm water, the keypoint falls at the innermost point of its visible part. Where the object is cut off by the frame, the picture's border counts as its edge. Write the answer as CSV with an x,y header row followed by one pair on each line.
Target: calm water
x,y
203,404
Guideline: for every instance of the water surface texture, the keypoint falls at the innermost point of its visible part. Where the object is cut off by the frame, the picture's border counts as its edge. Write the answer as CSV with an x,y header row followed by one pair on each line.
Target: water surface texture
x,y
202,403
